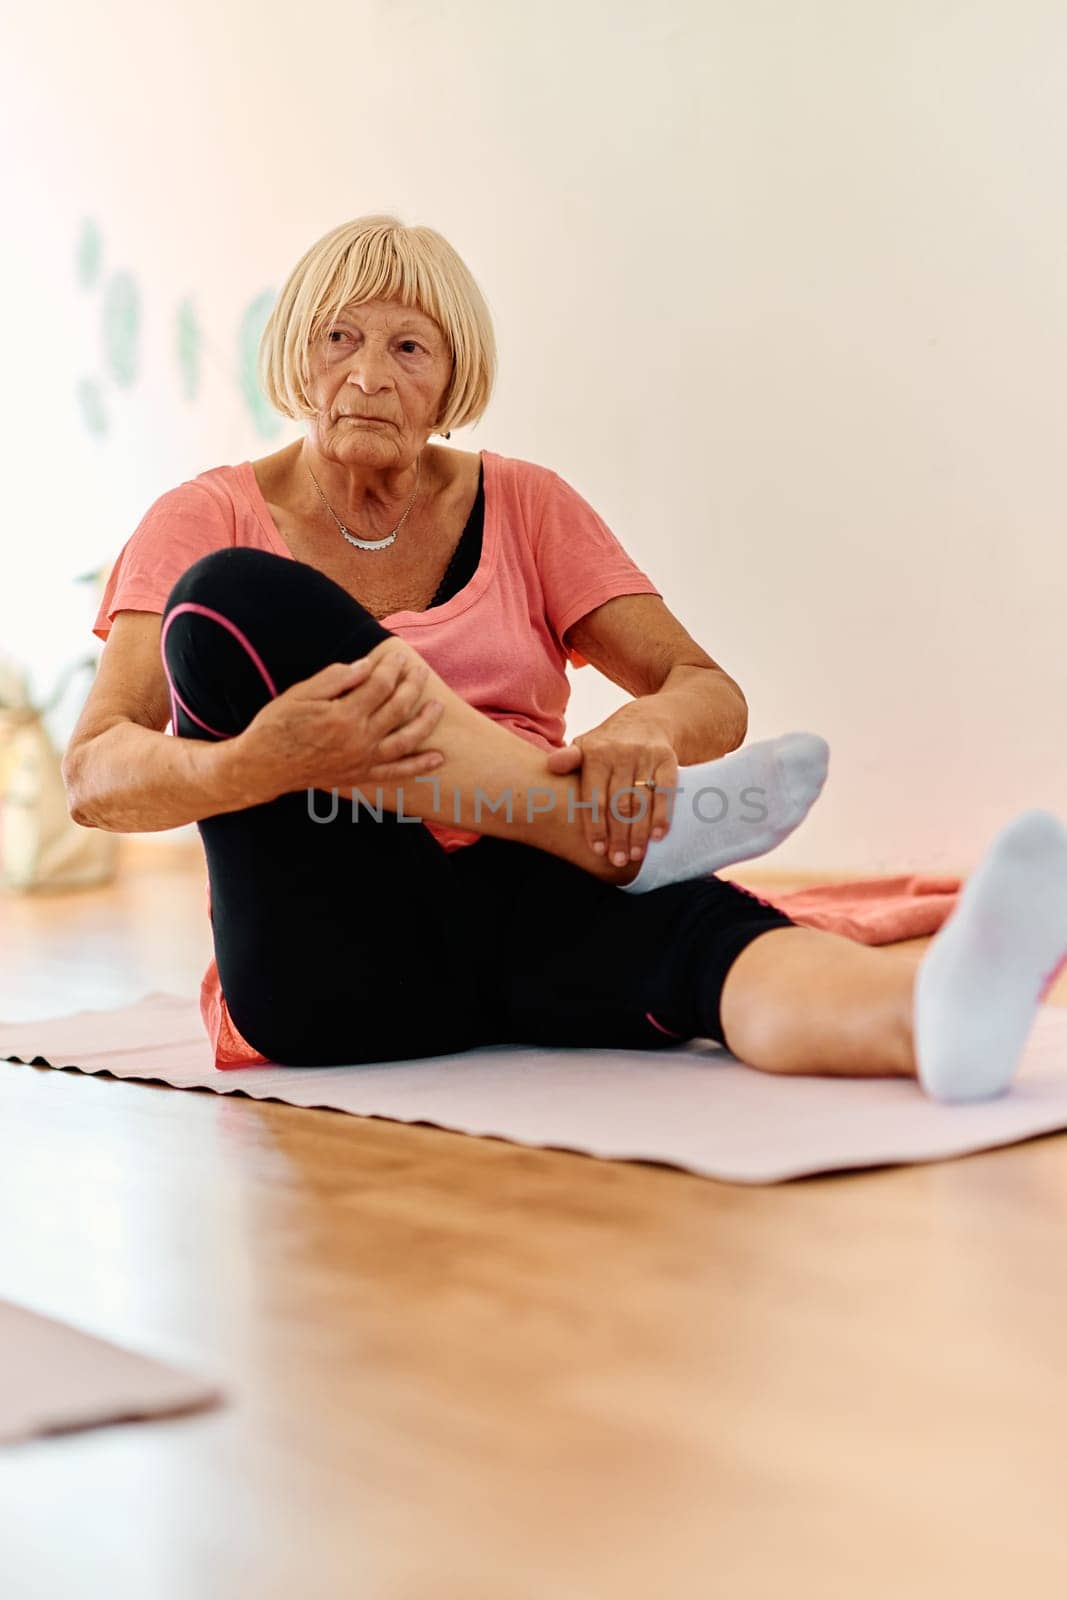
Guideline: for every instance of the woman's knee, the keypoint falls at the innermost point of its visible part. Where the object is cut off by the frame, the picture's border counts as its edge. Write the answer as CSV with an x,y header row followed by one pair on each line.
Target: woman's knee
x,y
220,576
277,608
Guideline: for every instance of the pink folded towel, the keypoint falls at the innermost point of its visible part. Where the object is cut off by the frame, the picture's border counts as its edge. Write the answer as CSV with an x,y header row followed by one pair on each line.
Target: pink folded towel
x,y
873,910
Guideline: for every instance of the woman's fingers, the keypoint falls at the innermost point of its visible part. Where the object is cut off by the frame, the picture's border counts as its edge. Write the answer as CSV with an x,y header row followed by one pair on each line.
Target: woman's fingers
x,y
391,688
382,681
409,767
641,811
621,807
403,741
339,678
369,681
634,814
660,812
399,706
625,811
594,799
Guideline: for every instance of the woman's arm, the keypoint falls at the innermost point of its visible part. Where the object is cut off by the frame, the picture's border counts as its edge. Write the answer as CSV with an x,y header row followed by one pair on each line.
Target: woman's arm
x,y
639,644
352,723
121,771
686,710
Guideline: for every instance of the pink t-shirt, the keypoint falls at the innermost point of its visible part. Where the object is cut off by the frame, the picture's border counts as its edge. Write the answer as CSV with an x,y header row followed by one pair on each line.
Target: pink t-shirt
x,y
547,559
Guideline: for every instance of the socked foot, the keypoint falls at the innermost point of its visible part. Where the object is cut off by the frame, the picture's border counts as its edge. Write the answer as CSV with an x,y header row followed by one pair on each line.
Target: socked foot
x,y
979,986
735,808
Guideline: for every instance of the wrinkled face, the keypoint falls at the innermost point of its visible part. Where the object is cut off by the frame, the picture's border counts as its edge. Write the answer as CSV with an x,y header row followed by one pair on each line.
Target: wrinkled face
x,y
378,379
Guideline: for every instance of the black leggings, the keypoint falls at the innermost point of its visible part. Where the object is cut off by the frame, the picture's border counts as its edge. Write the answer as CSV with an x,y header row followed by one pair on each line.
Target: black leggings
x,y
350,941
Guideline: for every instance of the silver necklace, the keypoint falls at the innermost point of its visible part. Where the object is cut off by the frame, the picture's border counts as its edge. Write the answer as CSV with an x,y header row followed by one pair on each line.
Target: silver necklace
x,y
353,538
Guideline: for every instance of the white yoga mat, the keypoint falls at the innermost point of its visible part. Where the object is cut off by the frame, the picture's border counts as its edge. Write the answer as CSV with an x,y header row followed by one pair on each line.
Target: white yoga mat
x,y
695,1107
54,1378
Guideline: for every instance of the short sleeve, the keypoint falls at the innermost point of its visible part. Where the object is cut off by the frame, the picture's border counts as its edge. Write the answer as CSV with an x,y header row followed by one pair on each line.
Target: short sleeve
x,y
580,561
176,530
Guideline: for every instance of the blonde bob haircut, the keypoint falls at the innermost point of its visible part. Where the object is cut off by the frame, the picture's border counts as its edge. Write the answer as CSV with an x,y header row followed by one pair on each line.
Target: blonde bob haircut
x,y
379,257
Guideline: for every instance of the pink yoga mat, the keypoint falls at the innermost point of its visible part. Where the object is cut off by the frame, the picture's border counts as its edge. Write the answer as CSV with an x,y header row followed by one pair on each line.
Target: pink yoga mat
x,y
55,1378
695,1107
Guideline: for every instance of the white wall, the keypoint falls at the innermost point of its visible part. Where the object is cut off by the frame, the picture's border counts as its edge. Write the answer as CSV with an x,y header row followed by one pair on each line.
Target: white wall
x,y
778,287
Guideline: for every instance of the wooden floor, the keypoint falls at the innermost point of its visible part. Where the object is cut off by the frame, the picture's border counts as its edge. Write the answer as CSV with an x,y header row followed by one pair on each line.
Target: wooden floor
x,y
461,1370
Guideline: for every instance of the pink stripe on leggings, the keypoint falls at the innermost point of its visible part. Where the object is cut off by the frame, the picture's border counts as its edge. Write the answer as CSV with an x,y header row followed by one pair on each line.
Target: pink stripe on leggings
x,y
661,1028
242,639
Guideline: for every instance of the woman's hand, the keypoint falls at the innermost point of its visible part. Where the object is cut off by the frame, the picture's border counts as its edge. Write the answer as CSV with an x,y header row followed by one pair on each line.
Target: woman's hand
x,y
630,744
348,725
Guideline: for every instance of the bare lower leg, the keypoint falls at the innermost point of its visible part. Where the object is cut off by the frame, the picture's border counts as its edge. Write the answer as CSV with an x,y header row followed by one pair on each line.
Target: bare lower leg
x,y
800,1001
485,764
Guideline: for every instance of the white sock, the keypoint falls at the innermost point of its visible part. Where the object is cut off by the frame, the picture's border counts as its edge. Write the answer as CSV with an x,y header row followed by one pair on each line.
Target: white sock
x,y
982,980
755,797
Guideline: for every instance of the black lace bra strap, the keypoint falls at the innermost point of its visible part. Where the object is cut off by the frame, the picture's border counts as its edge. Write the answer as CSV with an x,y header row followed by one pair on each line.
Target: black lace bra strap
x,y
468,552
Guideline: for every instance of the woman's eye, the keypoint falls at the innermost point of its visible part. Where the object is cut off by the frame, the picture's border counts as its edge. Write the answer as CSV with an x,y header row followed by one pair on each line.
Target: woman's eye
x,y
338,333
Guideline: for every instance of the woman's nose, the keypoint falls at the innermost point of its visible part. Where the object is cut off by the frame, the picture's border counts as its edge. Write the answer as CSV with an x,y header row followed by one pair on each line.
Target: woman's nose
x,y
366,373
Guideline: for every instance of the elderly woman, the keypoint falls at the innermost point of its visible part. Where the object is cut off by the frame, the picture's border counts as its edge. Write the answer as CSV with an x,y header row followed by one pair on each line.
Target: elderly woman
x,y
361,642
